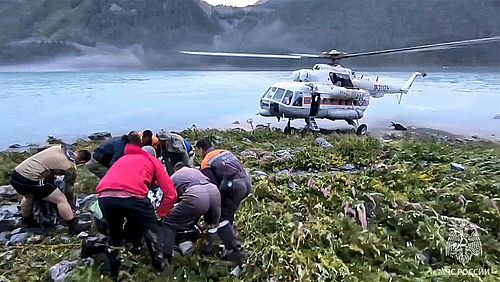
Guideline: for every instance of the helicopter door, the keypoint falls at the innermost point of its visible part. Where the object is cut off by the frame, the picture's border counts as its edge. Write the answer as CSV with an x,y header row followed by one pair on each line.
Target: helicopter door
x,y
315,102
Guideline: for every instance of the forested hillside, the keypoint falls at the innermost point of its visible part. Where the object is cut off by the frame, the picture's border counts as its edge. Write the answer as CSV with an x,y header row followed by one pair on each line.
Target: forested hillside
x,y
154,30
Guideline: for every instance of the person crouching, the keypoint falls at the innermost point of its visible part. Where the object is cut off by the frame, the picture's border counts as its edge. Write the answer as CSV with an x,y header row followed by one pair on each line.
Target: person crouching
x,y
197,197
122,194
226,171
34,179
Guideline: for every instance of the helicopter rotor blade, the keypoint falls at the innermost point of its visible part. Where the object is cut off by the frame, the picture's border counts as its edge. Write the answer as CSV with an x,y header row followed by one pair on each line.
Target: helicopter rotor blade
x,y
242,55
428,47
309,55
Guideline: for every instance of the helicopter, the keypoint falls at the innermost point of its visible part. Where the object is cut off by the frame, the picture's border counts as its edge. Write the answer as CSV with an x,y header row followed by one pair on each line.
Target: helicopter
x,y
330,91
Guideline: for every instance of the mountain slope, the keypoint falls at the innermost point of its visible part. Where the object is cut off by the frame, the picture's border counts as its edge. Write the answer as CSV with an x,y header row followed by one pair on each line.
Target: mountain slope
x,y
43,29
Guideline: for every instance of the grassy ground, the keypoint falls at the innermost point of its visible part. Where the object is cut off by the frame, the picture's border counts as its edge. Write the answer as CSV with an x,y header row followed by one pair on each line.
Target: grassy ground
x,y
301,222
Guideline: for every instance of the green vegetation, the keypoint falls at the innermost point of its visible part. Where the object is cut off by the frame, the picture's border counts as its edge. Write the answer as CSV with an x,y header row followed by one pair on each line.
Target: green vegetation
x,y
297,224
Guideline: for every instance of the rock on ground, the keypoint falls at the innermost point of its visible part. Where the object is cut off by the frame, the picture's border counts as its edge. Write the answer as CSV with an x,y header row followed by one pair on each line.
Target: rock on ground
x,y
101,135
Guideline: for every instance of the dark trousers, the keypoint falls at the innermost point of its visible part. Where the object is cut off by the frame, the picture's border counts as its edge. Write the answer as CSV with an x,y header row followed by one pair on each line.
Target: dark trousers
x,y
140,215
38,189
231,200
197,201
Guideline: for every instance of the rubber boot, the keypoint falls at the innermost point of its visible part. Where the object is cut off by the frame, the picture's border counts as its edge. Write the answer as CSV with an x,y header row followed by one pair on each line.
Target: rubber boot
x,y
237,257
92,247
113,256
168,241
167,249
207,247
75,228
228,236
30,222
233,251
155,250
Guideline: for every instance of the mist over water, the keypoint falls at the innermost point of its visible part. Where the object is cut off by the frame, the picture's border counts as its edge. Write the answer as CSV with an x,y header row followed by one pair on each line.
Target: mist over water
x,y
97,60
74,104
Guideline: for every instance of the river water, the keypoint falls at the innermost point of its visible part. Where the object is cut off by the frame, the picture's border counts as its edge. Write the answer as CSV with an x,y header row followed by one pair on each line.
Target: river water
x,y
68,105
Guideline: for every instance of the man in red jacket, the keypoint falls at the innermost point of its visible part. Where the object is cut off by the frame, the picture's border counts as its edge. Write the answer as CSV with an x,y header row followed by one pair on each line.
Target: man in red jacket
x,y
122,194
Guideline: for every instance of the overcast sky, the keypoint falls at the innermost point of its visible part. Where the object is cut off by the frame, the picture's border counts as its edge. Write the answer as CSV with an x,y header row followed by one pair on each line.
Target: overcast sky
x,y
238,3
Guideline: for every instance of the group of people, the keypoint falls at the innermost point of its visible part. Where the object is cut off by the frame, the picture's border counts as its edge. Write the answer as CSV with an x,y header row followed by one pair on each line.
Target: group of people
x,y
131,167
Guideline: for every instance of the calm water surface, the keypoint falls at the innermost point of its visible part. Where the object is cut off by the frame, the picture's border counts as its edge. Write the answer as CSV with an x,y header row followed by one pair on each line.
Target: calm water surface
x,y
73,104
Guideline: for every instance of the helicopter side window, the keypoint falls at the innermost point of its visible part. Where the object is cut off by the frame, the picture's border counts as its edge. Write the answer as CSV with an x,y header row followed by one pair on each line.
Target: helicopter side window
x,y
288,97
279,95
298,99
340,79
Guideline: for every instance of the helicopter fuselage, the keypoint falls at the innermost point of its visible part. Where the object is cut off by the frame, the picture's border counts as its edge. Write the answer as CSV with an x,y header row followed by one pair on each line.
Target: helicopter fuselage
x,y
325,91
295,100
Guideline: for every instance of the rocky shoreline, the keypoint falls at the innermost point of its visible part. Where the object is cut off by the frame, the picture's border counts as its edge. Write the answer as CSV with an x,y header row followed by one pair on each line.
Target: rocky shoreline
x,y
324,207
377,132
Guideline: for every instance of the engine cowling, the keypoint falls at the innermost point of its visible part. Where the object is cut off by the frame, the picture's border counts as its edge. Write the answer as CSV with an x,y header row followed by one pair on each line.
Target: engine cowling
x,y
303,75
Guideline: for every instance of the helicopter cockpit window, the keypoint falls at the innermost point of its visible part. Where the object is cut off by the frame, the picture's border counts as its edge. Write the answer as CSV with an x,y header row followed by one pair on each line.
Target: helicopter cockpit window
x,y
269,93
341,79
279,95
288,98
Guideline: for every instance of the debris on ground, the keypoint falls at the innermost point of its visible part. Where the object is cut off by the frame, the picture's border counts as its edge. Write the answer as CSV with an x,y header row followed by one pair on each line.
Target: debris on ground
x,y
323,143
284,154
187,248
457,167
398,126
249,154
99,136
60,271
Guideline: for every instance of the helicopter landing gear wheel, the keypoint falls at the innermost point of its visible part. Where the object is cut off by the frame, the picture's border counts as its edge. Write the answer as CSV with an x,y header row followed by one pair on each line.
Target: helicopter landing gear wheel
x,y
361,130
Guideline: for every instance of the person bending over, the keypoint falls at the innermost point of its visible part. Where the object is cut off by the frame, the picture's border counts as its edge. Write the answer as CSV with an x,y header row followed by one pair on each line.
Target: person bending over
x,y
34,179
197,197
109,152
225,170
122,194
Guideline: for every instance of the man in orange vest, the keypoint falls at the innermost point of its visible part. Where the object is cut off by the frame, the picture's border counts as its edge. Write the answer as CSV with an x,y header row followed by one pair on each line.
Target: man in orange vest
x,y
225,170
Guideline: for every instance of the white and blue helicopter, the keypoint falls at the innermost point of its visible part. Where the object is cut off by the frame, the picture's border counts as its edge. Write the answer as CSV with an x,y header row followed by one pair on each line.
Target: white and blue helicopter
x,y
331,91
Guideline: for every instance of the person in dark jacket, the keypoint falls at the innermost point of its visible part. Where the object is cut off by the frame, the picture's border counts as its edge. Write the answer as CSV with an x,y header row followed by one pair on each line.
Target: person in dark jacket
x,y
197,197
173,149
225,170
122,194
109,152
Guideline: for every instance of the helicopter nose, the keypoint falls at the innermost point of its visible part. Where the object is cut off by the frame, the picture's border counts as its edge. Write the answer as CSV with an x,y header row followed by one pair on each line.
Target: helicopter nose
x,y
265,113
